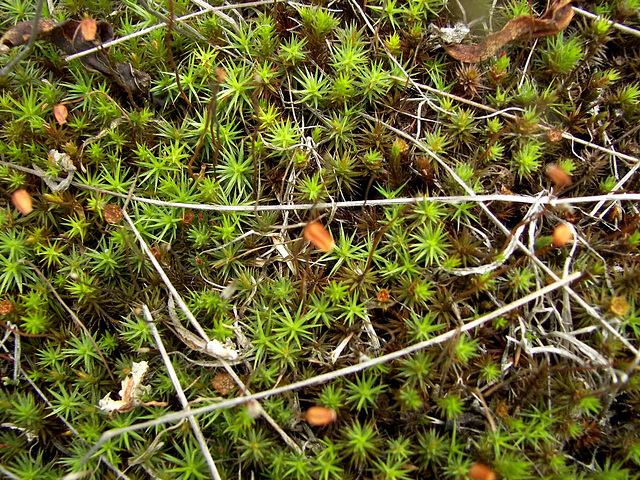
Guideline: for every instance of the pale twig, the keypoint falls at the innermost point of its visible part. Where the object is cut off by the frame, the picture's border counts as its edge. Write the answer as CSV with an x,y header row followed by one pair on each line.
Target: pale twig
x,y
188,31
185,309
527,63
452,199
197,432
16,354
589,309
616,25
177,416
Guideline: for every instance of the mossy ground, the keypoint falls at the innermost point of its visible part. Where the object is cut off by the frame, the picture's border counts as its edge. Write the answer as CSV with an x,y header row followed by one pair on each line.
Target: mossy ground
x,y
290,104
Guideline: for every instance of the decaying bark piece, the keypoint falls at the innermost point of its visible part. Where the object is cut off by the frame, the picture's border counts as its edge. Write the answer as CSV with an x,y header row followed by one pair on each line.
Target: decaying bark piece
x,y
553,21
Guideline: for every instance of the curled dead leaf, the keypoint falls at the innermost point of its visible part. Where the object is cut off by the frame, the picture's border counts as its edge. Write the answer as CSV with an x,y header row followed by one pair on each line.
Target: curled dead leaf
x,y
131,392
553,21
318,236
61,113
22,201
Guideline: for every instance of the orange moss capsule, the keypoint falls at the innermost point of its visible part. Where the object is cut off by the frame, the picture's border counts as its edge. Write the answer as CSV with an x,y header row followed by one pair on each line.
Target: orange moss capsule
x,y
22,201
383,295
478,471
89,29
562,235
60,113
320,416
558,176
318,236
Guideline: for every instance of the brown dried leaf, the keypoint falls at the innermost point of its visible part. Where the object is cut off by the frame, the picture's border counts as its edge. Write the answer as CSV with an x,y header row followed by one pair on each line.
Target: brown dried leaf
x,y
318,236
20,33
89,29
22,201
61,113
554,20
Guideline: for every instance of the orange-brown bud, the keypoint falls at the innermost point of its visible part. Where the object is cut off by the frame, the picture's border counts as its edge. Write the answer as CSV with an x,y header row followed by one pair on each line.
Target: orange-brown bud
x,y
320,416
558,176
60,112
318,236
89,29
22,201
562,235
112,213
478,471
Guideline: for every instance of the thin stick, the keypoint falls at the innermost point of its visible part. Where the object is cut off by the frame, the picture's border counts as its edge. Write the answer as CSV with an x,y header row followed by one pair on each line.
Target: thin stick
x,y
202,442
177,416
185,309
550,200
618,26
